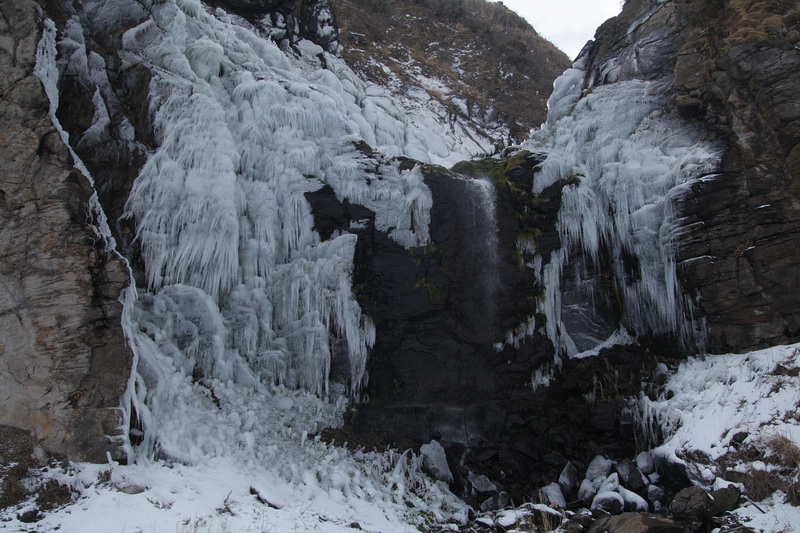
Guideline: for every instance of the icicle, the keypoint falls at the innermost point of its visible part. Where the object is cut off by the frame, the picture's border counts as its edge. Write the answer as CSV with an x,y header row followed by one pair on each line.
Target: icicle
x,y
623,161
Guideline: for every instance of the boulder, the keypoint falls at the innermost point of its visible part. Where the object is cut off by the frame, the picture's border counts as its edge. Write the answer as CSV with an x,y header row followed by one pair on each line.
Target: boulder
x,y
637,523
630,476
610,502
551,495
434,461
692,502
657,496
599,467
568,480
586,492
480,484
644,461
725,499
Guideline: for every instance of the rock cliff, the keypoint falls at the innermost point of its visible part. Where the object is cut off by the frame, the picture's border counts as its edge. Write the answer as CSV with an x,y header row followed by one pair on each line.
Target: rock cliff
x,y
738,72
63,359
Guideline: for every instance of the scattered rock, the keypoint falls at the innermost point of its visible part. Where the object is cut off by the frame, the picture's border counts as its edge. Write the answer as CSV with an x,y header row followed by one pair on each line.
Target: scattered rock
x,y
586,492
568,480
584,520
611,483
552,495
657,496
645,463
495,502
132,489
481,485
726,499
434,461
30,516
599,467
630,475
633,502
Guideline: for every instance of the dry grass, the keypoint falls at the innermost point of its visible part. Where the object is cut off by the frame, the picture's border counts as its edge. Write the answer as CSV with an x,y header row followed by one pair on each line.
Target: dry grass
x,y
783,451
723,25
780,458
52,495
483,51
760,484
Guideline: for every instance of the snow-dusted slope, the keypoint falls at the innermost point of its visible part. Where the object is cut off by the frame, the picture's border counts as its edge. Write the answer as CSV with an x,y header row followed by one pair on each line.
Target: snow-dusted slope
x,y
734,417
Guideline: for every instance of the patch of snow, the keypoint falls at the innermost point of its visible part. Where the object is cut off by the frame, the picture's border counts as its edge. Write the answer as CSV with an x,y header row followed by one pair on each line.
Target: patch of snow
x,y
709,400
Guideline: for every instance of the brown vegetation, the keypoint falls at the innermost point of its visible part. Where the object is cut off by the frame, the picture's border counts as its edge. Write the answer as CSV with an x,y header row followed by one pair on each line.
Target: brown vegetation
x,y
720,25
484,52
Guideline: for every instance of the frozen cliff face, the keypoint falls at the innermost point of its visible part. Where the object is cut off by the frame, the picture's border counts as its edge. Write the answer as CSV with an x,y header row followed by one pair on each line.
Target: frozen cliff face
x,y
238,285
622,157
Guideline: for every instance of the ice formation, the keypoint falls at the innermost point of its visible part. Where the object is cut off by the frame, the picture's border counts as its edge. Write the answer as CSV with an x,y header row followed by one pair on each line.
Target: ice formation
x,y
246,310
623,159
240,290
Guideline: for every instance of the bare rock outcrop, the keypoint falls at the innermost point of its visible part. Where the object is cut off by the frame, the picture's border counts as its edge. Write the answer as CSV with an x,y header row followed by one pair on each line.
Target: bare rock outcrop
x,y
63,359
741,251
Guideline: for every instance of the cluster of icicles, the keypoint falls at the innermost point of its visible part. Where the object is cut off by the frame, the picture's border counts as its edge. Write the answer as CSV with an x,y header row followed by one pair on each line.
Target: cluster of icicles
x,y
240,288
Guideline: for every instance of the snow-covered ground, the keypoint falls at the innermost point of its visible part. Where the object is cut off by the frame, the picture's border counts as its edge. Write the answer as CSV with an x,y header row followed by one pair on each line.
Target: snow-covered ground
x,y
272,478
716,404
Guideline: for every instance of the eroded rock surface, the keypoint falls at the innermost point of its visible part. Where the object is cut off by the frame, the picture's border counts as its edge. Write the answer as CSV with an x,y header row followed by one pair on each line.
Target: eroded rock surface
x,y
740,251
63,359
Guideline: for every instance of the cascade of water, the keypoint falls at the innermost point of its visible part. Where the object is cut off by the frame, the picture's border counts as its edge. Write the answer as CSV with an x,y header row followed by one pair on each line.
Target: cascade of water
x,y
483,239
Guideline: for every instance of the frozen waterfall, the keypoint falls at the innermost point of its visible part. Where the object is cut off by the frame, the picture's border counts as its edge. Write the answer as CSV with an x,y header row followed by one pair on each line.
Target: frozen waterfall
x,y
624,160
240,290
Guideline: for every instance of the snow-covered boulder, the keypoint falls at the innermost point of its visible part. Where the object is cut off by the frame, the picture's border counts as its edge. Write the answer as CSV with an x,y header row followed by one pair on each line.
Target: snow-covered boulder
x,y
610,502
599,467
551,494
434,461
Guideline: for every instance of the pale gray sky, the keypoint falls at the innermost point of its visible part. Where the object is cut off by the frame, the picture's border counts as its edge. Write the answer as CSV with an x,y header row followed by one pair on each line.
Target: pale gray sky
x,y
568,24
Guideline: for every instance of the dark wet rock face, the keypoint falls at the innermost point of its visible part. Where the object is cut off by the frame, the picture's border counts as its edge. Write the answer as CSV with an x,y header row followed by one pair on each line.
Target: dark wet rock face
x,y
439,309
314,20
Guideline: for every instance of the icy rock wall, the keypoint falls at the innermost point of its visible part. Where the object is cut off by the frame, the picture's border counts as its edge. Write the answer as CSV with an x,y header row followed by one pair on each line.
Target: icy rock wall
x,y
240,288
225,228
623,157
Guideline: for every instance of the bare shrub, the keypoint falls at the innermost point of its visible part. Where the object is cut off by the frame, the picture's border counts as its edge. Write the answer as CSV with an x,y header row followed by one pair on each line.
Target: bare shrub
x,y
784,451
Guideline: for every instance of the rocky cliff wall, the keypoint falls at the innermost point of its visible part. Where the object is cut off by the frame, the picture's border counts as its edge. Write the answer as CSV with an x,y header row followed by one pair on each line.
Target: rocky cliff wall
x,y
63,359
741,250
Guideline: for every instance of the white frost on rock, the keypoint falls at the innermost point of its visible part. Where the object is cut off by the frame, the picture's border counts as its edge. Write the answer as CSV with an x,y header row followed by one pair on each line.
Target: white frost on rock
x,y
599,467
633,501
434,461
551,495
608,501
